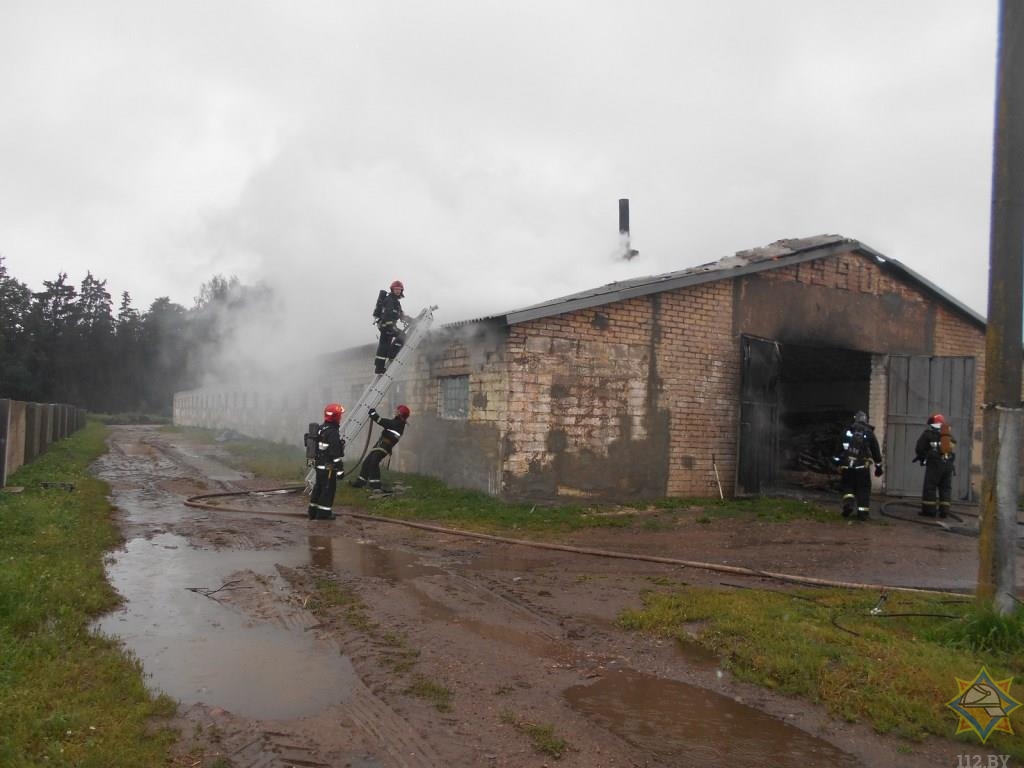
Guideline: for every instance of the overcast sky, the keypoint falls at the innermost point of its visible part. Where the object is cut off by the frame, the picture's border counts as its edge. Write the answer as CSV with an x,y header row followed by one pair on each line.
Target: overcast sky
x,y
476,149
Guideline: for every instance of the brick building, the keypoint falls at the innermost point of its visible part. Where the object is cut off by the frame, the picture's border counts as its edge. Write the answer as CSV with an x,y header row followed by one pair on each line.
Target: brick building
x,y
747,366
732,377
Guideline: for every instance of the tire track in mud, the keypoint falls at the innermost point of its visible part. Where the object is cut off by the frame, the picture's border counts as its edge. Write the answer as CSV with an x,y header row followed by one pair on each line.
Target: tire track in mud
x,y
255,747
366,712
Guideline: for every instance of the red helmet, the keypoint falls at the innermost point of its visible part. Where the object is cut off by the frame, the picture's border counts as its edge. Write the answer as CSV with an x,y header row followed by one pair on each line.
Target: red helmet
x,y
333,412
403,412
397,287
937,418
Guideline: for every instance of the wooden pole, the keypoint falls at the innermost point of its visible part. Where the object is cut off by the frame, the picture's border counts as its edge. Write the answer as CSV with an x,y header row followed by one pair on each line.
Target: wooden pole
x,y
1002,406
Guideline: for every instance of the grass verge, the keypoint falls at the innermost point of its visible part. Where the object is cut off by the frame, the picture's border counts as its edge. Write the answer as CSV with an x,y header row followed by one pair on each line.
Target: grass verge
x,y
67,696
895,672
425,498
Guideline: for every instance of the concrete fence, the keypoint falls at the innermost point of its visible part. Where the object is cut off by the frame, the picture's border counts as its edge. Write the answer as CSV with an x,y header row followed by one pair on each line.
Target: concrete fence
x,y
27,430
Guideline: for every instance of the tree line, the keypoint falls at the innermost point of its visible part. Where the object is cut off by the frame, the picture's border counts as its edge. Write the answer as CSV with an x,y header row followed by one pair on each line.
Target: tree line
x,y
69,343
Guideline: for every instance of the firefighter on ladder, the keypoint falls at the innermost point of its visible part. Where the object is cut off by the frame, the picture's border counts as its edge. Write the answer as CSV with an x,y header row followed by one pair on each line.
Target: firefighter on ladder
x,y
369,472
329,464
387,314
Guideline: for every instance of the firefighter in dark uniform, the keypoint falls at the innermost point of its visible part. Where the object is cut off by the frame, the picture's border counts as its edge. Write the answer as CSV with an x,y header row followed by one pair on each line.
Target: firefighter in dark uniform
x,y
934,449
388,313
330,449
369,473
859,450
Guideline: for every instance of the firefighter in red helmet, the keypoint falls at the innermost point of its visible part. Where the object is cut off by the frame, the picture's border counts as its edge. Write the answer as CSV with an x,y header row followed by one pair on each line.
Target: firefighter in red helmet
x,y
934,450
387,314
369,473
329,464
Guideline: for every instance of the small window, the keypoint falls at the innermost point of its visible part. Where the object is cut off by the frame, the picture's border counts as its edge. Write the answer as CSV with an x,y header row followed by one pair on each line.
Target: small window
x,y
453,397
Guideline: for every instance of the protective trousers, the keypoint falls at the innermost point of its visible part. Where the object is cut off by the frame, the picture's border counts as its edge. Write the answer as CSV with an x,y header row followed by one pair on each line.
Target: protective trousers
x,y
938,487
321,500
369,473
388,346
856,485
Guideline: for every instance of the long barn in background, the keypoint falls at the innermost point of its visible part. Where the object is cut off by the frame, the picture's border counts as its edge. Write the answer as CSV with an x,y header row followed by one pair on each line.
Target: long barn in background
x,y
735,374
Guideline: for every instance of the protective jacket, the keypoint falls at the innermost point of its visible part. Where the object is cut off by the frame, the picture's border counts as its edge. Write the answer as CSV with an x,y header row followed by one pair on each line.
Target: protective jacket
x,y
859,446
392,430
330,449
935,444
390,312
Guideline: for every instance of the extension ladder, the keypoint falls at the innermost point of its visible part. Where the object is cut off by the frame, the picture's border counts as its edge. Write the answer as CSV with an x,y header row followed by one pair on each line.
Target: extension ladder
x,y
357,418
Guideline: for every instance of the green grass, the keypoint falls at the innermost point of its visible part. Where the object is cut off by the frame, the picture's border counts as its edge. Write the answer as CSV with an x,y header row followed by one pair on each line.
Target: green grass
x,y
133,417
542,736
894,672
67,696
439,696
274,461
330,596
428,499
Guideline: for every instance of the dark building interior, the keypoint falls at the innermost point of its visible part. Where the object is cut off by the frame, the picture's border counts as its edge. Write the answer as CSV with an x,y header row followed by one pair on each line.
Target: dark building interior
x,y
819,390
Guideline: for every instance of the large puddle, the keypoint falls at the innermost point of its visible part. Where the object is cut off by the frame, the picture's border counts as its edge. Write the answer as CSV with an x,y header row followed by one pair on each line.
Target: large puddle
x,y
671,719
198,650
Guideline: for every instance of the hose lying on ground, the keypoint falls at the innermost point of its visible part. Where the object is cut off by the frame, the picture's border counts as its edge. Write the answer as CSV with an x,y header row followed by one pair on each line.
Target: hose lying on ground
x,y
196,501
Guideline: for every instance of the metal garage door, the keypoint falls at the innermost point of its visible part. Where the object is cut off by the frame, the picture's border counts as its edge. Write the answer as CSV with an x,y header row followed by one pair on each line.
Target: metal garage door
x,y
918,387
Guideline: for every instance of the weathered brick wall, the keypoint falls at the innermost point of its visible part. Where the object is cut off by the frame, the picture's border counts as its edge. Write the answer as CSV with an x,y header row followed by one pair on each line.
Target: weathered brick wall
x,y
699,362
466,452
584,415
636,398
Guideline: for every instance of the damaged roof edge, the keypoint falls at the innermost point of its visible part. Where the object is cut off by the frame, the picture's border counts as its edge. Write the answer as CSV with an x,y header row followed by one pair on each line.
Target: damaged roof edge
x,y
822,248
928,285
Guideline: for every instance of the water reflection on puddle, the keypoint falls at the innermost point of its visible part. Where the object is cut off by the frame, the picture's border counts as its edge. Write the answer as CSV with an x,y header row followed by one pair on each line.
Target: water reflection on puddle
x,y
672,719
197,650
342,554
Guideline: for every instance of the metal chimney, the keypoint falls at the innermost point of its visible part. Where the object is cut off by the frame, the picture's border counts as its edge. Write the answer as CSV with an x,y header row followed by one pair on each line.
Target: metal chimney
x,y
627,251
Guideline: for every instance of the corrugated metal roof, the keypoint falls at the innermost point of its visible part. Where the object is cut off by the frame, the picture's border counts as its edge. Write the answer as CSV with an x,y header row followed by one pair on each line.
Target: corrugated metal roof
x,y
781,253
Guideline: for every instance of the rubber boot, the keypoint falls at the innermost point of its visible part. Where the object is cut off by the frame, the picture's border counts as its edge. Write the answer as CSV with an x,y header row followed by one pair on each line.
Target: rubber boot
x,y
847,506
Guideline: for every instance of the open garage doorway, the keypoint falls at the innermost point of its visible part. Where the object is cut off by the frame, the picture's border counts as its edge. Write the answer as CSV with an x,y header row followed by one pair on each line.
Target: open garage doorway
x,y
795,402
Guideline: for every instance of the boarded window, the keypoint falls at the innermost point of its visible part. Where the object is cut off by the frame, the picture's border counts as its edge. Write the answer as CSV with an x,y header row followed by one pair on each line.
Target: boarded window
x,y
453,397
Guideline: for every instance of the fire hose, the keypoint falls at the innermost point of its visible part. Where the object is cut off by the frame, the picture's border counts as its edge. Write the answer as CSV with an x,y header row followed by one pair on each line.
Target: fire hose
x,y
198,502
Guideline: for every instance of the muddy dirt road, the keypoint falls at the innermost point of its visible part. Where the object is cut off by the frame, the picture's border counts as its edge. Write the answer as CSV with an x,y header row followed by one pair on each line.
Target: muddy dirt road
x,y
442,650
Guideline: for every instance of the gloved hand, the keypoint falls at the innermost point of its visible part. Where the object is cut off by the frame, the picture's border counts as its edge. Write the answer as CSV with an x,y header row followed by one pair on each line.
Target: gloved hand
x,y
878,470
373,414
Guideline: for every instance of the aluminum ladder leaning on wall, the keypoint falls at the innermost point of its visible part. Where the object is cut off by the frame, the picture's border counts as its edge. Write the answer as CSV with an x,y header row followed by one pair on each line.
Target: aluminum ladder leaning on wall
x,y
357,418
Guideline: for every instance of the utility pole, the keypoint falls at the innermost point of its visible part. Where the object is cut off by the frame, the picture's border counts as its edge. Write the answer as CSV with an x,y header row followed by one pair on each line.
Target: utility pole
x,y
1002,408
